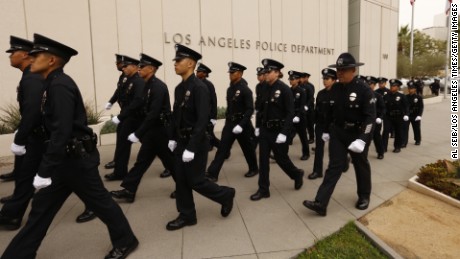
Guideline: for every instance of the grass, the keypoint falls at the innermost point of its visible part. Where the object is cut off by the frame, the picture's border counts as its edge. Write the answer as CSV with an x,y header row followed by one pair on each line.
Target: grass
x,y
348,242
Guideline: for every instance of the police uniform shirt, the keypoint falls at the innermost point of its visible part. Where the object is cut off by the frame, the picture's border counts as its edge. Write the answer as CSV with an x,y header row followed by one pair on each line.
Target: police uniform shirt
x,y
323,102
191,111
213,98
396,104
310,93
353,103
64,118
415,105
383,91
278,104
239,102
156,103
131,98
379,105
300,100
30,91
120,85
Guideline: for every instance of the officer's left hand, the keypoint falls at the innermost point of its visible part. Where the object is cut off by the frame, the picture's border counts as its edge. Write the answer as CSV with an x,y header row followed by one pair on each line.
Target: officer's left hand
x,y
213,121
257,132
357,146
378,121
406,118
280,139
305,108
418,118
187,156
296,119
132,137
115,120
18,150
40,182
237,129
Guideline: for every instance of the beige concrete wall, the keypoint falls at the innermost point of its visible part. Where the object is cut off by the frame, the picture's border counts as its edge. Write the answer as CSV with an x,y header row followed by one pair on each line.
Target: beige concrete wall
x,y
232,30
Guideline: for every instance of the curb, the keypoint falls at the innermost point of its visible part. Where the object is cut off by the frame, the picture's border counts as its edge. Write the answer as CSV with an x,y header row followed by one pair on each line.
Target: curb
x,y
418,187
379,243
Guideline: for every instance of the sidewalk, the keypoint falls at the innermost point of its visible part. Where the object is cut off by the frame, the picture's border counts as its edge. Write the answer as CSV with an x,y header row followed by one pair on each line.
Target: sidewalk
x,y
278,227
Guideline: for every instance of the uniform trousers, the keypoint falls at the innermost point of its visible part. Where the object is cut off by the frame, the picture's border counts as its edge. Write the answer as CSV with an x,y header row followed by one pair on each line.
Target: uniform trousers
x,y
213,140
338,150
81,176
310,123
267,143
415,128
123,145
378,142
319,149
154,143
301,129
228,138
23,188
396,124
190,176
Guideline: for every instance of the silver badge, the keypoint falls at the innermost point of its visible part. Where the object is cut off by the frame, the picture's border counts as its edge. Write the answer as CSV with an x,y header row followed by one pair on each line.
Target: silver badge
x,y
277,93
297,95
352,97
265,62
125,79
398,98
340,62
237,93
325,71
187,93
415,100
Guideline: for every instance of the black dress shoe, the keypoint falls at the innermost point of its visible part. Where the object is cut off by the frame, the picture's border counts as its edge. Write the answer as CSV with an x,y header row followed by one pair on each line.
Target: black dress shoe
x,y
311,141
113,177
316,207
380,156
259,195
210,177
7,177
228,205
228,155
86,216
6,198
313,148
298,182
305,157
124,194
8,223
122,252
417,143
403,146
251,173
314,175
173,195
179,223
110,165
362,203
396,150
166,173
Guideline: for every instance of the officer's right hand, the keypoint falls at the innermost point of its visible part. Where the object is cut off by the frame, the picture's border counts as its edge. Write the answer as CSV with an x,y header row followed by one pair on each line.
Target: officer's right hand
x,y
133,138
115,120
406,118
325,137
213,121
40,182
296,119
281,138
305,108
378,121
187,156
108,106
18,150
237,129
257,132
172,145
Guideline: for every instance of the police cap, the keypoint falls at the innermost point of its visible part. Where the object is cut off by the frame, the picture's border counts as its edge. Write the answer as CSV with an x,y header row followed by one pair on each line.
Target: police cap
x,y
395,82
146,60
260,71
361,77
294,75
305,74
382,79
232,67
327,72
185,52
346,60
129,61
118,58
203,68
411,85
44,44
372,79
19,44
270,64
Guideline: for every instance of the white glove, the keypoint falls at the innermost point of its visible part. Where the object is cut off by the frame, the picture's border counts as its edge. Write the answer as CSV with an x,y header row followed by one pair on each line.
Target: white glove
x,y
108,106
280,139
325,137
357,146
132,137
172,145
257,132
187,156
213,121
406,118
296,119
305,108
237,129
16,131
40,182
378,121
18,150
115,120
418,118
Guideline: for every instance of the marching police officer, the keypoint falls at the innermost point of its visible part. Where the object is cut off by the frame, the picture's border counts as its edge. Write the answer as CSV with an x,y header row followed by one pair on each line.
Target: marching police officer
x,y
435,87
397,112
299,120
351,119
70,163
28,144
131,100
380,114
382,90
323,101
190,143
309,108
273,128
415,114
238,125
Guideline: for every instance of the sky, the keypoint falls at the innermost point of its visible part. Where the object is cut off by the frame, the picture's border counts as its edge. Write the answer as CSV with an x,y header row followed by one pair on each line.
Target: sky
x,y
424,12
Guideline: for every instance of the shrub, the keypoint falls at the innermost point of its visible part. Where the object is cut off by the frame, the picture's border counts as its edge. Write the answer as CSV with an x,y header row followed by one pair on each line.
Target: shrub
x,y
221,112
441,178
93,116
10,118
109,127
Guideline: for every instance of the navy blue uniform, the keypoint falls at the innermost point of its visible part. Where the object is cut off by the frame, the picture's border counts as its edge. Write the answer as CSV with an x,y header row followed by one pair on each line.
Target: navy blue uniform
x,y
415,110
396,108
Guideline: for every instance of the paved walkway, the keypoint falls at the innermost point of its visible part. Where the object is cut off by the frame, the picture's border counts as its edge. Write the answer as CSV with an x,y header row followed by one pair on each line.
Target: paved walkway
x,y
278,227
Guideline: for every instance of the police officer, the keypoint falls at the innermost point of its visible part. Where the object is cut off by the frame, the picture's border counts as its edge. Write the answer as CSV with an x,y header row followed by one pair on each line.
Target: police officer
x,y
131,100
415,114
299,120
70,163
120,87
28,144
202,72
382,90
273,128
435,87
397,112
190,144
323,101
310,91
380,114
238,125
419,86
351,119
153,132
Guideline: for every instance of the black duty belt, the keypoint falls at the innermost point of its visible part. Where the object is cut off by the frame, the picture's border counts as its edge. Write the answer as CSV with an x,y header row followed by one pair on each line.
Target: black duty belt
x,y
274,124
350,125
185,133
395,113
81,147
236,117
